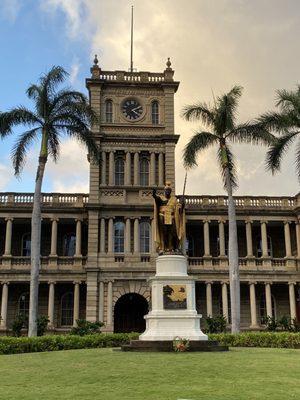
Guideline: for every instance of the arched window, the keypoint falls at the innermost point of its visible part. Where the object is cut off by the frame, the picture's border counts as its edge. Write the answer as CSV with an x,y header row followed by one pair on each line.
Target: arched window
x,y
270,247
263,308
26,245
66,309
144,171
108,111
23,304
155,112
145,237
119,237
119,171
69,244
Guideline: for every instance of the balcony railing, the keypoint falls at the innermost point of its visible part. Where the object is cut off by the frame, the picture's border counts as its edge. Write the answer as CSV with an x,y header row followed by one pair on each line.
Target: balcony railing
x,y
243,262
22,262
49,199
194,202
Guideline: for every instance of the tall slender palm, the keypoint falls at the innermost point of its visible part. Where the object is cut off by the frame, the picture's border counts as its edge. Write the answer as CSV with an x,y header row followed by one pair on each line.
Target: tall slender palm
x,y
285,122
220,122
56,113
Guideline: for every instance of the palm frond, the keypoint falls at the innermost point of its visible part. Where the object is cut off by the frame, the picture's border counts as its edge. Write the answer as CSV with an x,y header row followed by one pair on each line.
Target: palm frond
x,y
199,142
297,160
17,116
51,79
226,161
276,121
53,144
20,149
85,137
288,100
64,98
199,111
5,128
252,133
278,149
226,110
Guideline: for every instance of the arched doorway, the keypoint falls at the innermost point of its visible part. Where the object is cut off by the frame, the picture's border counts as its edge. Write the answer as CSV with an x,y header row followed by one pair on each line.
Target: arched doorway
x,y
129,313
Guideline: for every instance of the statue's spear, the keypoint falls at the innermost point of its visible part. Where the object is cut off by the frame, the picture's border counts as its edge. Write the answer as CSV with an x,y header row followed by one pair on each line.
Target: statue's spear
x,y
184,185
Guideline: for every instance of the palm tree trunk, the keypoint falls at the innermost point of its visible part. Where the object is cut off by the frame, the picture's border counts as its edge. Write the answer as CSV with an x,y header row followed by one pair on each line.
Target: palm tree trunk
x,y
36,240
233,257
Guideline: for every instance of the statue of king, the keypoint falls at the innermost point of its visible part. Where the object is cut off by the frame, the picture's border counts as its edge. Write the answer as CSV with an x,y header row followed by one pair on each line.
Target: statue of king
x,y
169,220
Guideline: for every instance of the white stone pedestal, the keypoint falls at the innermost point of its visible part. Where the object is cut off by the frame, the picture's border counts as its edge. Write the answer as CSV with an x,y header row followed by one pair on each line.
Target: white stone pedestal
x,y
166,324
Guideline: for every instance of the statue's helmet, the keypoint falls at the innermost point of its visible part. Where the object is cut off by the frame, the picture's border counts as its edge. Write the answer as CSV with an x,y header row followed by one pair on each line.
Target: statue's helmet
x,y
168,186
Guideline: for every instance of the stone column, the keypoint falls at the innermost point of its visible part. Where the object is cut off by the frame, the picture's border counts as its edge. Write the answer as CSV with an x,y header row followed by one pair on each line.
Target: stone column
x,y
8,236
225,301
253,305
109,305
221,239
53,252
78,238
206,238
298,238
268,299
102,235
111,171
292,299
136,170
136,234
287,239
101,301
128,236
152,169
76,303
209,299
4,303
103,168
249,238
51,298
128,169
110,235
161,169
264,238
153,244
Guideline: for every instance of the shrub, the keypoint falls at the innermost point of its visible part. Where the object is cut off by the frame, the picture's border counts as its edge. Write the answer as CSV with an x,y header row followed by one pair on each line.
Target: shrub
x,y
42,323
86,327
18,324
14,345
216,324
258,339
271,323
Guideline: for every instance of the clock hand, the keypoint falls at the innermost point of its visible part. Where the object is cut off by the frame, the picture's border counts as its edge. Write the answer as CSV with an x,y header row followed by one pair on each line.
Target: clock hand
x,y
137,108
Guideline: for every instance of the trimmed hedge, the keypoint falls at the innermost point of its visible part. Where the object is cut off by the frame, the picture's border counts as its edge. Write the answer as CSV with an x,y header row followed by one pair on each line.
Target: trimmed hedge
x,y
258,339
14,345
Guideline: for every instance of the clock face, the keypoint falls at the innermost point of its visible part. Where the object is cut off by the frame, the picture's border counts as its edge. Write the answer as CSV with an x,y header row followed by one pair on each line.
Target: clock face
x,y
132,109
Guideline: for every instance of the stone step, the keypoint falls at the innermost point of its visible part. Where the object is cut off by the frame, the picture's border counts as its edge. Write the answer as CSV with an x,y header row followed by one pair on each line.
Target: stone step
x,y
167,346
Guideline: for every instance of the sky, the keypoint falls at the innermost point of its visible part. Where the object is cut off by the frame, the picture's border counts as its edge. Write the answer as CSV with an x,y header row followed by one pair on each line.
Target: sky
x,y
213,45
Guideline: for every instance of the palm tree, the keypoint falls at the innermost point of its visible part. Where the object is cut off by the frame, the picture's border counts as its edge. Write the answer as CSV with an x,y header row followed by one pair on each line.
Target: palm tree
x,y
221,128
285,122
56,113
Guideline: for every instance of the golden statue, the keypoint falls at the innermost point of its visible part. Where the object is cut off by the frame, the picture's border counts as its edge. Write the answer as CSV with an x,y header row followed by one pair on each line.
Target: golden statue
x,y
169,219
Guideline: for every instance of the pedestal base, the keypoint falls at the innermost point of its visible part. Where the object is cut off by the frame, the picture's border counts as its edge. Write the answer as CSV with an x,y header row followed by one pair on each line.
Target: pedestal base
x,y
173,311
167,346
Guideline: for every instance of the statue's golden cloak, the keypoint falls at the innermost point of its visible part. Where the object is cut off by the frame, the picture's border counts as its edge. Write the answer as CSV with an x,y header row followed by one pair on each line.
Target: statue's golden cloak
x,y
172,208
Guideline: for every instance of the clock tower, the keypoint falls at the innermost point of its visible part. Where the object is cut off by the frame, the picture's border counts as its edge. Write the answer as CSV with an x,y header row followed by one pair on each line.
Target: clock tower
x,y
136,139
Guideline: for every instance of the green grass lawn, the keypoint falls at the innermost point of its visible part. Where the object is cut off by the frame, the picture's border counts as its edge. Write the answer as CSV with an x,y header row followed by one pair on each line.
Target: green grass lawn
x,y
107,374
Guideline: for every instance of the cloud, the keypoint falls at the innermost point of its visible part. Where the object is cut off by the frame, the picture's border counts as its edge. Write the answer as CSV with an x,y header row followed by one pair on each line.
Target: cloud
x,y
212,45
74,72
6,175
10,9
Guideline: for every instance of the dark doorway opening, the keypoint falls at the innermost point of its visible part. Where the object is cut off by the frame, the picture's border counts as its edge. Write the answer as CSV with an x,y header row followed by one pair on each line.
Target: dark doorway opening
x,y
129,313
